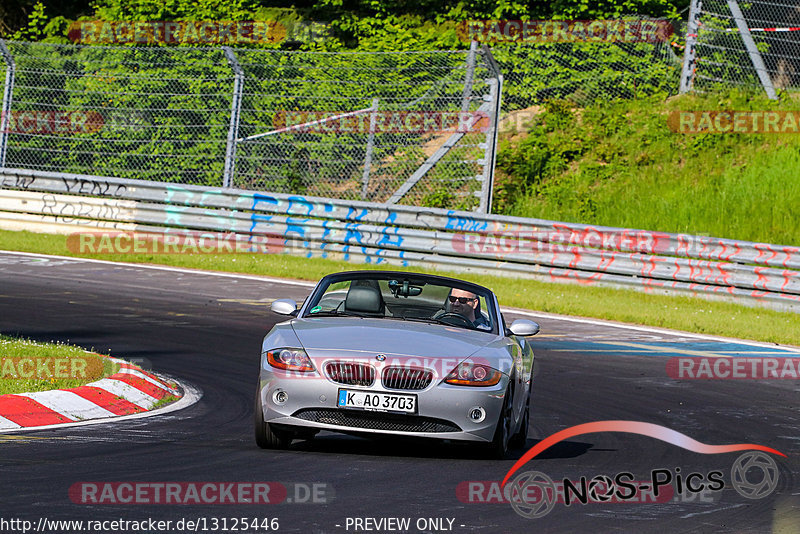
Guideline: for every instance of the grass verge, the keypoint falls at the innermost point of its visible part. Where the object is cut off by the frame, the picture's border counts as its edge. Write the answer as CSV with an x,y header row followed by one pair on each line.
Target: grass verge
x,y
27,366
619,164
630,306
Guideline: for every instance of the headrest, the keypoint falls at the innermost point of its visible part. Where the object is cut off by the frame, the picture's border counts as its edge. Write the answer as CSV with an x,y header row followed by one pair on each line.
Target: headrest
x,y
363,299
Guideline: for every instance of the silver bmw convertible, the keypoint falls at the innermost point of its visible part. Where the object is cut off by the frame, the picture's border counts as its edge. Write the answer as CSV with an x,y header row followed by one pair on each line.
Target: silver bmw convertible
x,y
381,352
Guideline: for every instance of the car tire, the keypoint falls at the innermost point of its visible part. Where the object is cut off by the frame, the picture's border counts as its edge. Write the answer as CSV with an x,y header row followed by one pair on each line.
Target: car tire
x,y
520,437
267,437
498,448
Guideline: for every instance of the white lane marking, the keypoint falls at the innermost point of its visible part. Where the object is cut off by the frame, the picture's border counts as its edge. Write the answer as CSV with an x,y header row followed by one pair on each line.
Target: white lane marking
x,y
651,329
68,404
191,395
667,350
8,424
712,511
126,391
529,313
166,268
138,374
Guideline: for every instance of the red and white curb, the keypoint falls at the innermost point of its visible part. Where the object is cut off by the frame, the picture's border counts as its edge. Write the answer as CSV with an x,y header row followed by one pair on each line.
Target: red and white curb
x,y
130,392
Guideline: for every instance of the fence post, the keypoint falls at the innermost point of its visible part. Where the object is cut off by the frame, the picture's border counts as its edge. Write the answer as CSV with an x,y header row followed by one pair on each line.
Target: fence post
x,y
755,55
690,52
490,155
373,118
473,47
7,92
236,106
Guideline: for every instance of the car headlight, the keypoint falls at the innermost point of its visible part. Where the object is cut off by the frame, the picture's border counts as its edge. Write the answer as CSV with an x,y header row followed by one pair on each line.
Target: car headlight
x,y
473,374
290,360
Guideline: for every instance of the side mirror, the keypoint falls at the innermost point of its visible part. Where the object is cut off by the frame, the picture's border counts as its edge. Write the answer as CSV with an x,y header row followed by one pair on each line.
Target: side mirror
x,y
524,327
284,307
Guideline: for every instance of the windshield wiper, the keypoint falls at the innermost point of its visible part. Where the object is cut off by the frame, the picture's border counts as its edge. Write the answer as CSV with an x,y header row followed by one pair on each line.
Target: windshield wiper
x,y
430,320
332,313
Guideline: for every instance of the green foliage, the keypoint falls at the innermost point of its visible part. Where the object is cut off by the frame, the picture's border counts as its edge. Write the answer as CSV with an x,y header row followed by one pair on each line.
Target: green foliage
x,y
370,25
619,164
586,9
34,29
28,377
194,87
293,175
441,198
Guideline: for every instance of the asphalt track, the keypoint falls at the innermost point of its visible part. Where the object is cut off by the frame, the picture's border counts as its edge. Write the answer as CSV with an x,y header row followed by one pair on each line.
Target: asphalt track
x,y
207,330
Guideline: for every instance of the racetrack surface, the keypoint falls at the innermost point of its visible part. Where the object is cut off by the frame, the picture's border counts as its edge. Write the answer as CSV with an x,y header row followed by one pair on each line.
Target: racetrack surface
x,y
207,330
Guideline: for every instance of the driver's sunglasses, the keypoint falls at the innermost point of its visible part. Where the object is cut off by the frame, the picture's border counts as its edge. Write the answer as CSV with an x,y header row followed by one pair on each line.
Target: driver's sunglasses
x,y
462,300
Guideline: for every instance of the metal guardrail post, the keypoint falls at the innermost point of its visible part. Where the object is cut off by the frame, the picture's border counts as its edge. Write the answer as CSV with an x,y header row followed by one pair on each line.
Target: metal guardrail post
x,y
752,50
409,234
236,106
468,77
6,109
490,157
690,52
373,119
434,158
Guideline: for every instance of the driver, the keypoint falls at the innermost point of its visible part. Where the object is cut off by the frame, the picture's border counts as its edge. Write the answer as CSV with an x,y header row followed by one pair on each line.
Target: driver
x,y
468,305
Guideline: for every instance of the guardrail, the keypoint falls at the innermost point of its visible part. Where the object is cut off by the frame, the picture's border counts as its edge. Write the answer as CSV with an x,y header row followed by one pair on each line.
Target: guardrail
x,y
364,232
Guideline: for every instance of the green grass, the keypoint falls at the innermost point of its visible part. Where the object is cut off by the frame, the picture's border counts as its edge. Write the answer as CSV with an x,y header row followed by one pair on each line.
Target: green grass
x,y
164,401
677,312
619,164
27,366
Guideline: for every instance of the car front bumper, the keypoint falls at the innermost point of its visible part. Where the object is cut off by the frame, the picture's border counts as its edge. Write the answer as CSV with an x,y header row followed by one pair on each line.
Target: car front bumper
x,y
442,410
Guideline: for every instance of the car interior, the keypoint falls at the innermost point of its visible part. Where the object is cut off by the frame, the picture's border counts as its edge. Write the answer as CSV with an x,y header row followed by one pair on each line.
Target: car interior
x,y
389,298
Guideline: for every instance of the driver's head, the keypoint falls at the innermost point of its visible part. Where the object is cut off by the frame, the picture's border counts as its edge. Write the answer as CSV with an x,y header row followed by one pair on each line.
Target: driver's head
x,y
463,302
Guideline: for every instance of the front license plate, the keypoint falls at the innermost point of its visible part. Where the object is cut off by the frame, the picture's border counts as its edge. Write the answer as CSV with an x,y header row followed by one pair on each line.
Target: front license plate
x,y
379,402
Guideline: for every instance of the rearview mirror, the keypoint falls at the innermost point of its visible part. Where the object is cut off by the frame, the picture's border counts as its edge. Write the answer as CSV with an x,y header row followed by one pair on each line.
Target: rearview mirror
x,y
403,290
524,327
284,307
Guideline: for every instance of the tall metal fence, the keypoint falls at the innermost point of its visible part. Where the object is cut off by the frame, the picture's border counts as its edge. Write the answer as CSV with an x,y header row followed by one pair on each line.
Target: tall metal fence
x,y
385,127
586,73
416,128
736,43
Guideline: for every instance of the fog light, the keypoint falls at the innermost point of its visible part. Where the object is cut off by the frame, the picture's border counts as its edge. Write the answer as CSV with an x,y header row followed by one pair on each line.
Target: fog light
x,y
476,414
280,397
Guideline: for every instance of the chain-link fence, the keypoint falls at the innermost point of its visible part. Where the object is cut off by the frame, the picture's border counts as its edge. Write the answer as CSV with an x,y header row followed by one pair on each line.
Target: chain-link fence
x,y
386,127
753,43
586,73
416,128
366,136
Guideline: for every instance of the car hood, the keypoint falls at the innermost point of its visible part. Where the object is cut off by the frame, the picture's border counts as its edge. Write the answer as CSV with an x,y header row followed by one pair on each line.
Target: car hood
x,y
387,336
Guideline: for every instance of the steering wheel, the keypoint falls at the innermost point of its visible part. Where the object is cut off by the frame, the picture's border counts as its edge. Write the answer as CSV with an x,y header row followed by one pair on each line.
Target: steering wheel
x,y
461,320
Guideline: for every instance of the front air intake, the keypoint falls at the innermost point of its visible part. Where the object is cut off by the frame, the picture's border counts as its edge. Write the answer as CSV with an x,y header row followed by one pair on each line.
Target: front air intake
x,y
350,373
406,378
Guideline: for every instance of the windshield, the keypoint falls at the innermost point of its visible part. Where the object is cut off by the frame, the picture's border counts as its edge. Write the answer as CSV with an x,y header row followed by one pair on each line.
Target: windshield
x,y
404,297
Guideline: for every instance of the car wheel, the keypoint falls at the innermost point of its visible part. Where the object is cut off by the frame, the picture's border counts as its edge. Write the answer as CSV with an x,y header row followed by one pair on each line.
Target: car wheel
x,y
502,434
520,438
267,437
